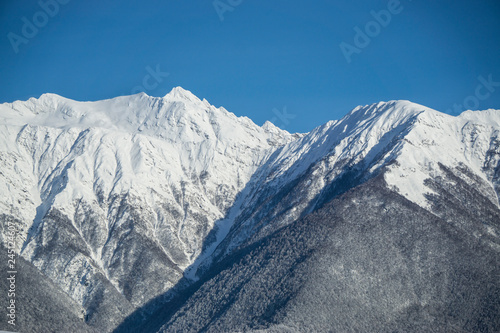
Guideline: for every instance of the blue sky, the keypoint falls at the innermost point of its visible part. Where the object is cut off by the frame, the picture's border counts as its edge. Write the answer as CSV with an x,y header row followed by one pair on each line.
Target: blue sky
x,y
268,60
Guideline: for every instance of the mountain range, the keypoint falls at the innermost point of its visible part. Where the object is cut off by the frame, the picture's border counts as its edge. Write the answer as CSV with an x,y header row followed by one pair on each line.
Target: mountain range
x,y
167,214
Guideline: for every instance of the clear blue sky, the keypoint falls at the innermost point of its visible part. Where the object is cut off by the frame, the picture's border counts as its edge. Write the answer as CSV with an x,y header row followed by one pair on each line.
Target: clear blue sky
x,y
264,55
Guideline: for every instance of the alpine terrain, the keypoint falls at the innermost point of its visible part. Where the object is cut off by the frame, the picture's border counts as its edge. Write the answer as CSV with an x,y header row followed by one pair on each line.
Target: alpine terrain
x,y
167,214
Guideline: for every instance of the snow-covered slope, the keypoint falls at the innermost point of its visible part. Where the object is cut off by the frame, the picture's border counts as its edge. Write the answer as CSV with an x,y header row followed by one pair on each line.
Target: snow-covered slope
x,y
408,141
136,182
418,138
368,260
117,200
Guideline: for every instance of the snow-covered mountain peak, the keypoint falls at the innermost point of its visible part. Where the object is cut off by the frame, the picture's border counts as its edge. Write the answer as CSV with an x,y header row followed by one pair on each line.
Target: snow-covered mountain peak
x,y
179,93
417,138
351,137
50,98
149,147
271,128
162,183
392,110
490,116
179,115
435,139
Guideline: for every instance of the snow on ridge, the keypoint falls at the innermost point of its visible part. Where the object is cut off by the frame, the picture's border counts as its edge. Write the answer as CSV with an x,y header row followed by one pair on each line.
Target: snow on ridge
x,y
179,93
183,119
419,138
353,136
160,149
438,138
365,142
490,116
134,113
180,152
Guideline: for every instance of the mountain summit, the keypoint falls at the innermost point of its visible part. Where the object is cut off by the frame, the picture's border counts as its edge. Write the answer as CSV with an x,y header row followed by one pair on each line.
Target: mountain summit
x,y
167,213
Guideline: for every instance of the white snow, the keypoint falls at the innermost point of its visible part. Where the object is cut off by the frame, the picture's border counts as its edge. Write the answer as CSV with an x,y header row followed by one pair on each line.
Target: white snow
x,y
154,148
180,152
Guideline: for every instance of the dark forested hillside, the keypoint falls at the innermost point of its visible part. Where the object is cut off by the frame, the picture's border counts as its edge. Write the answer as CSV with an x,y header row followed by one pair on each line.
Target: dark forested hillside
x,y
40,305
369,261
